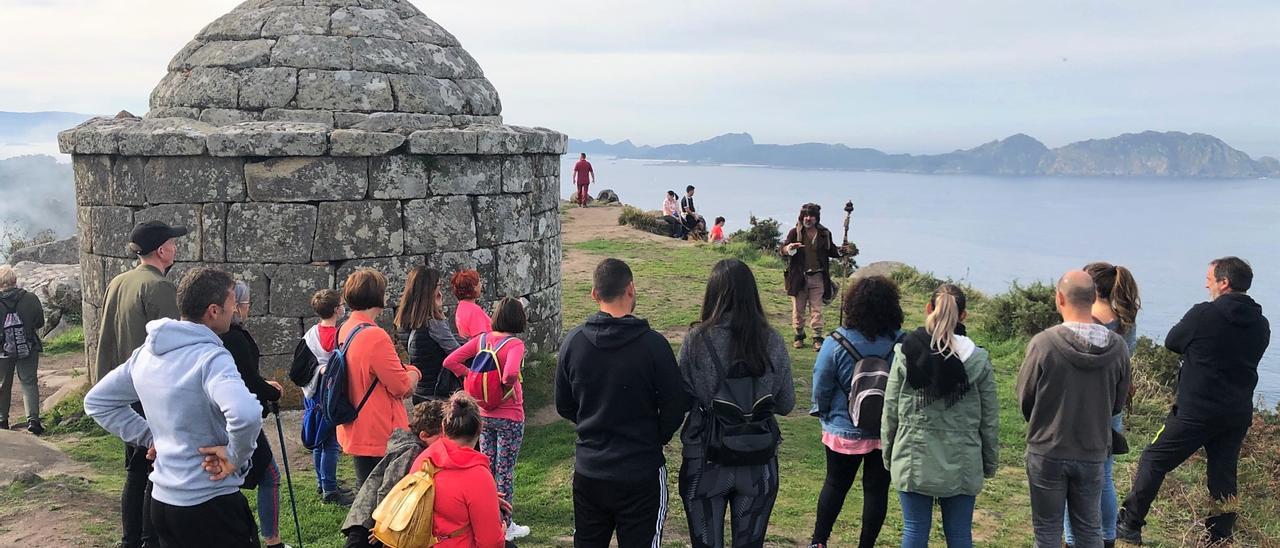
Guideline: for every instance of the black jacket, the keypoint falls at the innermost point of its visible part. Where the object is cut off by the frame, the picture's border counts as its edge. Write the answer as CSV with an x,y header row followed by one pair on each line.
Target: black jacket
x,y
244,350
428,354
1221,343
27,305
618,381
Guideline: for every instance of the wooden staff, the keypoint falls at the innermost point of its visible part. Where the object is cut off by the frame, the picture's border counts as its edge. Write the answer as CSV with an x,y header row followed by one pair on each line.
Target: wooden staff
x,y
848,212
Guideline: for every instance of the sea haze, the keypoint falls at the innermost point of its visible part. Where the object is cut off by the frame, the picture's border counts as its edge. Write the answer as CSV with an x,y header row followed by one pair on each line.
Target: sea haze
x,y
990,231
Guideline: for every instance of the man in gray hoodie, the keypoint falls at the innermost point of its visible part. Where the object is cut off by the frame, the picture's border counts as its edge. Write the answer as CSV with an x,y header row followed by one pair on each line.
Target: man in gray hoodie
x,y
1074,378
204,423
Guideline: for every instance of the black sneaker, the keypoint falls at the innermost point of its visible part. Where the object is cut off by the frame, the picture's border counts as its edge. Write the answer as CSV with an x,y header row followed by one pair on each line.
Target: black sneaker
x,y
337,497
1131,534
35,427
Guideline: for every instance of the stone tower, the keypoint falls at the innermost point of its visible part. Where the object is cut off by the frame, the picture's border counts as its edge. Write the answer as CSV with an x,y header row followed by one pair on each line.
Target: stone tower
x,y
300,140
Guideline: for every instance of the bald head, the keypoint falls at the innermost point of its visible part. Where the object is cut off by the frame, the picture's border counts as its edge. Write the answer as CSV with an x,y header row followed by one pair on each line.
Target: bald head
x,y
1077,290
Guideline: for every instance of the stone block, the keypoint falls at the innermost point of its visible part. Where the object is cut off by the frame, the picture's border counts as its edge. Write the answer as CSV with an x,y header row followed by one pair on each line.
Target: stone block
x,y
268,87
391,56
418,93
270,139
205,87
95,136
276,367
109,228
175,112
396,270
232,54
517,174
462,120
184,215
356,230
443,223
277,233
466,175
84,237
93,285
295,20
545,195
194,179
256,276
293,285
354,142
181,61
90,315
323,117
401,122
546,224
240,24
348,120
312,52
502,219
546,165
165,137
344,90
544,336
213,232
353,21
443,141
275,335
420,28
498,140
544,303
480,260
227,116
521,266
482,98
554,253
307,179
399,177
115,266
92,179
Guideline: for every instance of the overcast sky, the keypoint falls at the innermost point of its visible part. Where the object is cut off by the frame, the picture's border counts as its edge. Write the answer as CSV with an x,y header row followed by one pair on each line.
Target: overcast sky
x,y
903,76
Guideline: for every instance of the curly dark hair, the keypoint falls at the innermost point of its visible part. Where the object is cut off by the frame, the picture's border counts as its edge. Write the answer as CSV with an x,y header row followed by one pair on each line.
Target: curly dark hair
x,y
873,307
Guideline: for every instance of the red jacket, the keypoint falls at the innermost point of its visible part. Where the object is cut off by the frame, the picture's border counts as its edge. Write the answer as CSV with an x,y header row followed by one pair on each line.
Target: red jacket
x,y
465,494
372,355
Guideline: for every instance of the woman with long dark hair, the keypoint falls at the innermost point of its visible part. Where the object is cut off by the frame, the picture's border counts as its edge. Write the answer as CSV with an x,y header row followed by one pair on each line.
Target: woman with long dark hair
x,y
872,313
422,325
731,349
940,430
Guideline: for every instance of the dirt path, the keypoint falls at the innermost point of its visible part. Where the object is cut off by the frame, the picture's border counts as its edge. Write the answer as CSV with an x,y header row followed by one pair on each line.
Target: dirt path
x,y
58,376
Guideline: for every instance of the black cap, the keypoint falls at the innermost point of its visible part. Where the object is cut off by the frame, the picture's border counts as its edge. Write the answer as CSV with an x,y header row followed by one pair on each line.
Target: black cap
x,y
149,236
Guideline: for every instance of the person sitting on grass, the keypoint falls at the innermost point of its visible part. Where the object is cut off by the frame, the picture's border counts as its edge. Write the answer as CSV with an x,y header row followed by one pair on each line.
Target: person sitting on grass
x,y
717,232
403,447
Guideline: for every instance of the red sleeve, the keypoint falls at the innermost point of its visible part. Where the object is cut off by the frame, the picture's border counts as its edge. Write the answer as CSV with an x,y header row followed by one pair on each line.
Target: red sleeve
x,y
512,359
468,350
386,365
482,507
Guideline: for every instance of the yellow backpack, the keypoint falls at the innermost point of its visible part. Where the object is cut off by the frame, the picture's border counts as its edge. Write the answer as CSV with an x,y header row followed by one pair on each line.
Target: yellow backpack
x,y
404,518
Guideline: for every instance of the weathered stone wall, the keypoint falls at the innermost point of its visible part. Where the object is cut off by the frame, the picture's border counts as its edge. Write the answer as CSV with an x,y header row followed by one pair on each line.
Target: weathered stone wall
x,y
292,208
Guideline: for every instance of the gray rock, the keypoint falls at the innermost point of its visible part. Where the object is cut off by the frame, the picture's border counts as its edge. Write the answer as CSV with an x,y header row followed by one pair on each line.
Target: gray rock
x,y
194,179
480,260
546,165
393,56
544,303
348,120
95,136
312,52
293,285
92,179
275,335
546,224
417,93
64,251
517,174
344,90
520,267
501,219
403,8
239,24
165,137
421,28
213,232
93,286
498,140
268,87
545,195
878,268
270,139
295,20
184,215
553,252
445,223
482,98
466,175
398,177
277,233
303,179
207,87
402,123
322,117
357,230
444,141
353,21
227,116
608,196
451,62
545,336
181,61
175,112
463,120
108,229
354,142
234,54
396,270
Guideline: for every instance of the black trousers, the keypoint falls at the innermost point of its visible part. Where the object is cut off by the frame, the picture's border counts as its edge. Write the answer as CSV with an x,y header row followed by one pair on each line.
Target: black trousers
x,y
135,500
842,469
745,493
220,522
636,510
364,466
1177,441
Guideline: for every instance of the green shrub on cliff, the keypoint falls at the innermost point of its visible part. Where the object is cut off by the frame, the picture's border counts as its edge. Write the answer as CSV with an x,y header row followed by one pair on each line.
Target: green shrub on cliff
x,y
763,234
1022,311
648,221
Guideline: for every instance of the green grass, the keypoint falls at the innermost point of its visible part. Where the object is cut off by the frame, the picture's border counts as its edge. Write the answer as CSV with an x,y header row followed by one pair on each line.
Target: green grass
x,y
69,341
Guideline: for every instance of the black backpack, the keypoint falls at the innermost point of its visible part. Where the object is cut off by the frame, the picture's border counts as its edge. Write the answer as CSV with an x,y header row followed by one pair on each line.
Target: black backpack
x,y
742,429
866,390
14,334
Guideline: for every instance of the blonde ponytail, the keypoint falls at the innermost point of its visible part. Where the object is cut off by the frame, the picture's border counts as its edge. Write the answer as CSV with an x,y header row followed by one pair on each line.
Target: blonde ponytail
x,y
948,303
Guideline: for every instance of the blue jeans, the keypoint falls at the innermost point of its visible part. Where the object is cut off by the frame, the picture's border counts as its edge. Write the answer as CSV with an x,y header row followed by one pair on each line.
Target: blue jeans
x,y
917,519
269,501
325,459
1110,502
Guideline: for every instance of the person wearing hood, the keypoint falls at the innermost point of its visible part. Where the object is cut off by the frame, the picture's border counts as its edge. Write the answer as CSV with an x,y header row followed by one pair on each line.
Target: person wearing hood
x,y
203,441
1221,343
21,316
1074,378
264,476
808,250
939,433
617,381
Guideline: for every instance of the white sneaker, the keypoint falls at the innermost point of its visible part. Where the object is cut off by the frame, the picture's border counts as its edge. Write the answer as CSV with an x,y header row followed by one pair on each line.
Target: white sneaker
x,y
515,531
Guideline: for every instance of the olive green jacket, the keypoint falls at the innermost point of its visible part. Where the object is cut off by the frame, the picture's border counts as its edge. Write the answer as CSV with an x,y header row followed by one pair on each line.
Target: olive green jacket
x,y
941,451
133,299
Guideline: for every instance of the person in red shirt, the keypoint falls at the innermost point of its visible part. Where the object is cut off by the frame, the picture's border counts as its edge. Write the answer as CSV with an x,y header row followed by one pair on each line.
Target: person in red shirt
x,y
583,175
466,512
717,231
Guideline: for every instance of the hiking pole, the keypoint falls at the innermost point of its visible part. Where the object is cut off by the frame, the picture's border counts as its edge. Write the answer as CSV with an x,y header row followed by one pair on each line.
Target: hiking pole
x,y
284,455
848,212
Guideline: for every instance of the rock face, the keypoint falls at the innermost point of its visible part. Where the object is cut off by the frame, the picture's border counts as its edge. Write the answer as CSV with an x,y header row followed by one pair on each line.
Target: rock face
x,y
57,286
608,196
301,142
60,252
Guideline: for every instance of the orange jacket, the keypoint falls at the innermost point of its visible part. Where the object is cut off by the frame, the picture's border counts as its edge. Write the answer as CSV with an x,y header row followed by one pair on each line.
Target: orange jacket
x,y
465,495
373,355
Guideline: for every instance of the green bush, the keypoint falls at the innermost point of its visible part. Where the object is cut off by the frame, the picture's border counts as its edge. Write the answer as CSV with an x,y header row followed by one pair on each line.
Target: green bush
x,y
763,234
750,254
1022,311
648,221
1156,363
909,279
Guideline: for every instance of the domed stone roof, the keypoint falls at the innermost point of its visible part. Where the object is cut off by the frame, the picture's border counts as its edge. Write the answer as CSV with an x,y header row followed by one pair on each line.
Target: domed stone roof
x,y
333,62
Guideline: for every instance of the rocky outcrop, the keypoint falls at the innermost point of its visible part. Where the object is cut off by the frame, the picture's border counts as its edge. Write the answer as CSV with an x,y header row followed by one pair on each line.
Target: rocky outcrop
x,y
608,196
65,251
59,290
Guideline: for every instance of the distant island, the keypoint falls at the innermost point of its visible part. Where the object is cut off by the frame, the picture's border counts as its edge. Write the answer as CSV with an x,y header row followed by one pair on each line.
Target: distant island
x,y
1146,154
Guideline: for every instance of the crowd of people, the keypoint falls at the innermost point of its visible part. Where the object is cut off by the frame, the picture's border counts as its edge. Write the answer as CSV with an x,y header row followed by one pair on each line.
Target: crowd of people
x,y
915,411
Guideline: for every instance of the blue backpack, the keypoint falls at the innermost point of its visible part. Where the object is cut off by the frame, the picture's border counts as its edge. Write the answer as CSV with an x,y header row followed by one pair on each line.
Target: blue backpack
x,y
315,428
332,398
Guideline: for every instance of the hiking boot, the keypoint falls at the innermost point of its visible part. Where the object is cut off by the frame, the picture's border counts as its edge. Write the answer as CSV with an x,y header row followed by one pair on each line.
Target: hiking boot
x,y
799,341
1127,532
817,344
1218,529
337,497
34,427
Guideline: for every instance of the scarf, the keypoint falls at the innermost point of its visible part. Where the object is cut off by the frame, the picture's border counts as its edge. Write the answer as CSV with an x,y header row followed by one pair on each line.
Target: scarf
x,y
932,376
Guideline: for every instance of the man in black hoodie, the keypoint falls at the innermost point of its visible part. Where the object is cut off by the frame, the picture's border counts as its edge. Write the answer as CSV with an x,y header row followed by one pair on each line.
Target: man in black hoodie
x,y
1221,343
618,381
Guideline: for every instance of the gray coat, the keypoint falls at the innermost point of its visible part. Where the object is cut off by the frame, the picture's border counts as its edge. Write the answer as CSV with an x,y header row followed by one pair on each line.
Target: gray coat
x,y
701,379
402,448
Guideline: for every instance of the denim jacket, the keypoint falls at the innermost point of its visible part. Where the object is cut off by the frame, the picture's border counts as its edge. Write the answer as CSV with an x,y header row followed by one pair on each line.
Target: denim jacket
x,y
832,373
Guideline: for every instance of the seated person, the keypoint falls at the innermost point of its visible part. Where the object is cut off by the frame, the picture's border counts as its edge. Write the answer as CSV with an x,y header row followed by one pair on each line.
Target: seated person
x,y
717,232
671,214
402,448
692,219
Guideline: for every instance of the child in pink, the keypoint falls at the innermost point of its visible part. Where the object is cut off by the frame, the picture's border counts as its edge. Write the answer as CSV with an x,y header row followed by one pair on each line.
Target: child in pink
x,y
470,319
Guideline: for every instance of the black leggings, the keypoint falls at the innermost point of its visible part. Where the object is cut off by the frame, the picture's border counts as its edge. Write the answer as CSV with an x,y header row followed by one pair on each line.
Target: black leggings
x,y
841,470
364,466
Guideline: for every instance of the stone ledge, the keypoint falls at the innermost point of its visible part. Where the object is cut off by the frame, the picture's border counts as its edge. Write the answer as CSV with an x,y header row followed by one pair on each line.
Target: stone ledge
x,y
270,139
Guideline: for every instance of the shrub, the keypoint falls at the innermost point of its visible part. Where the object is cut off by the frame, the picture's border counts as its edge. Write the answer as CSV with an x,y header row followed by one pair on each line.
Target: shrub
x,y
1155,363
1022,311
648,221
763,234
909,279
750,254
